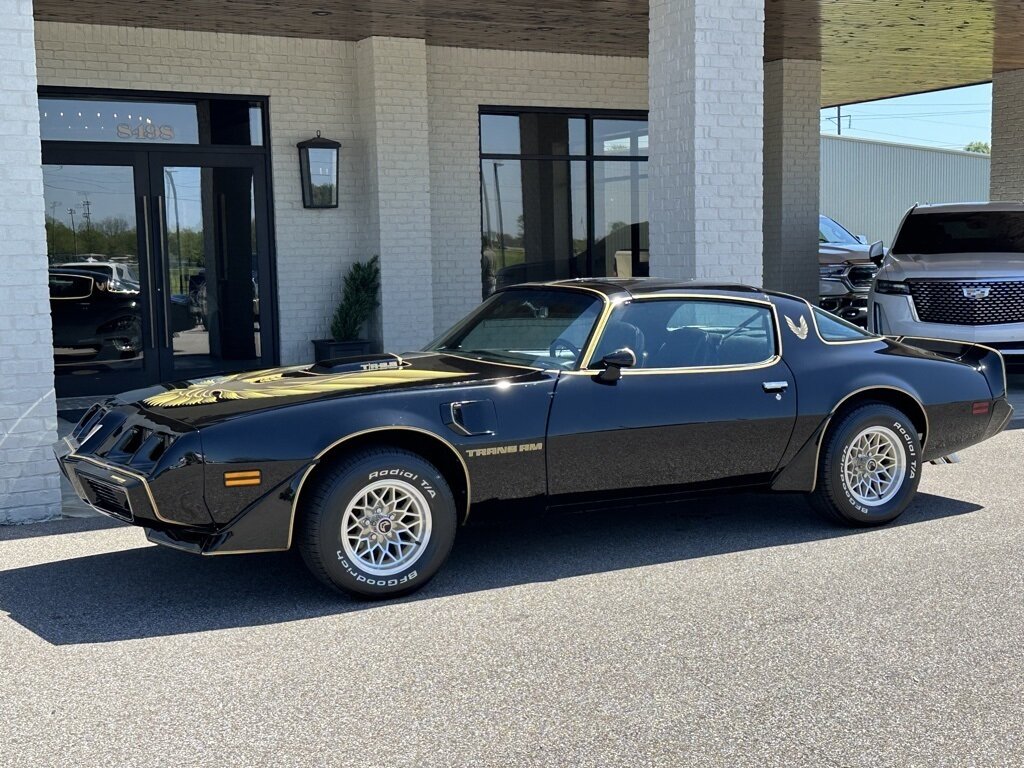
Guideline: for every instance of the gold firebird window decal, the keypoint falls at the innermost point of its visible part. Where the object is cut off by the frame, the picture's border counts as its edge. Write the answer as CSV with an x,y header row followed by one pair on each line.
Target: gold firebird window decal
x,y
277,383
801,329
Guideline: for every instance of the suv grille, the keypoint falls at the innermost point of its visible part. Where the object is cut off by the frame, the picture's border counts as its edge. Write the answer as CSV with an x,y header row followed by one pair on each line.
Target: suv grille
x,y
861,277
943,301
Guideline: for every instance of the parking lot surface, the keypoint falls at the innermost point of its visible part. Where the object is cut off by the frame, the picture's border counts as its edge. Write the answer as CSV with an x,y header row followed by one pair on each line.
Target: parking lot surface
x,y
732,631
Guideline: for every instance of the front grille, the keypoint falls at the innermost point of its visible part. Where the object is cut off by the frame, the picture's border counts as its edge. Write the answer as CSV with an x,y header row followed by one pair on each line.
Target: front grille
x,y
109,498
861,277
944,301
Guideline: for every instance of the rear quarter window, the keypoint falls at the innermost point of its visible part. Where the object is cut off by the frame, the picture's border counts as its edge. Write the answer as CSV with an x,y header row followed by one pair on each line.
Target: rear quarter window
x,y
832,328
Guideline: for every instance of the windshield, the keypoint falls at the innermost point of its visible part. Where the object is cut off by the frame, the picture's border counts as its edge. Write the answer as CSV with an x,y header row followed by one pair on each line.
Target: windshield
x,y
968,232
542,327
830,231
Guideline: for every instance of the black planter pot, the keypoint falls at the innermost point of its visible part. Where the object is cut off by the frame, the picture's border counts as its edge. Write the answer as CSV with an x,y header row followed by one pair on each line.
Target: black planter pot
x,y
329,349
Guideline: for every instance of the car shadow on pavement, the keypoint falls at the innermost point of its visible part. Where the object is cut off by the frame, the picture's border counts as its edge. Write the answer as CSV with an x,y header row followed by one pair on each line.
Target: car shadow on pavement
x,y
151,591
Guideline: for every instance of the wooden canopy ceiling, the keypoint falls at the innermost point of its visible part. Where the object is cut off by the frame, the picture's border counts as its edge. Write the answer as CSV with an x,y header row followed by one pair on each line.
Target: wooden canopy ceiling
x,y
869,49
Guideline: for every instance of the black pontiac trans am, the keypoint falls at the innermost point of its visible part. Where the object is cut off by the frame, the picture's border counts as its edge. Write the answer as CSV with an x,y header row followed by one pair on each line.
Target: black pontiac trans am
x,y
574,392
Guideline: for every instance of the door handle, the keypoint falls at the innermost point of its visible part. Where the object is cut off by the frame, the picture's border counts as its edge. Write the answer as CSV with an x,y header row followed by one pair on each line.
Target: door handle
x,y
775,386
150,269
162,284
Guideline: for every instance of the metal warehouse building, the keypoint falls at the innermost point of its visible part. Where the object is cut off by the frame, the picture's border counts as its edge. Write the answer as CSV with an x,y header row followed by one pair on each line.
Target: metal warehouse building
x,y
868,185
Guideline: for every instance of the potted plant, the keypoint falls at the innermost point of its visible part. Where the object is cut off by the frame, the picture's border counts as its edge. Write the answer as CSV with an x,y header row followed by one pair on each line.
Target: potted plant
x,y
359,299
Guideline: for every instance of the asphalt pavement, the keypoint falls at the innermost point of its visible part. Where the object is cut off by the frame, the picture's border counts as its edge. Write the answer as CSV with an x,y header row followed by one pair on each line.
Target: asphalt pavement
x,y
734,631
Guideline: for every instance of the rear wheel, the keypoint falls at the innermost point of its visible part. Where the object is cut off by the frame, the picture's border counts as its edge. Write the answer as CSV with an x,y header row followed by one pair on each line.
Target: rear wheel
x,y
379,524
870,466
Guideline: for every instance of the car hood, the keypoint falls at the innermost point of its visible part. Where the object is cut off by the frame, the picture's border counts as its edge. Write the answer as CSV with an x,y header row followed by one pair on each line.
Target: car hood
x,y
973,266
205,401
835,253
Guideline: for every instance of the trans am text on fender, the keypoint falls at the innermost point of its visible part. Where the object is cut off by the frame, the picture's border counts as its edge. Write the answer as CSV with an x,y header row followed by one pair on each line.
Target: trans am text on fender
x,y
575,392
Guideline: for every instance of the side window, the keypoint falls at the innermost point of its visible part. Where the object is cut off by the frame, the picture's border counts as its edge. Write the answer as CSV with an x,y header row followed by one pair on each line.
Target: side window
x,y
833,328
690,333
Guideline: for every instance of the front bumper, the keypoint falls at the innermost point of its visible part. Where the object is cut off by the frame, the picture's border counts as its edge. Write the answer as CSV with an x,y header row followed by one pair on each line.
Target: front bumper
x,y
110,490
167,499
894,315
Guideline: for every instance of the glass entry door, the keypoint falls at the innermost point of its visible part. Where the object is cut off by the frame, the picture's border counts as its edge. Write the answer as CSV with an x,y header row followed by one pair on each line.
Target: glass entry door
x,y
213,259
96,247
159,266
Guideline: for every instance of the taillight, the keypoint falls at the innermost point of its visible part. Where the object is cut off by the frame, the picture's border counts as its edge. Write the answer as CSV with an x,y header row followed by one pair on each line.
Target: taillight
x,y
980,408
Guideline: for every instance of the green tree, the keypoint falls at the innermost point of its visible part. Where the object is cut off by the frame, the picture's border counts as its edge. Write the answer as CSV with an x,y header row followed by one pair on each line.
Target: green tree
x,y
981,147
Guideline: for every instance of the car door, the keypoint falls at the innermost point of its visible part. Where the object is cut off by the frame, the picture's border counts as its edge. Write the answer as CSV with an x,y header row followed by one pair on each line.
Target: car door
x,y
710,401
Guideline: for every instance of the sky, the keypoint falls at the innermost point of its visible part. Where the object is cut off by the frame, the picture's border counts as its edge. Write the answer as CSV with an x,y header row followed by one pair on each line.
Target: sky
x,y
948,119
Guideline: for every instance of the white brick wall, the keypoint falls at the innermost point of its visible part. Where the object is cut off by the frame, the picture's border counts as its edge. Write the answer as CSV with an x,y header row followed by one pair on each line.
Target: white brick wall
x,y
792,101
1008,136
29,479
311,85
393,113
706,81
459,80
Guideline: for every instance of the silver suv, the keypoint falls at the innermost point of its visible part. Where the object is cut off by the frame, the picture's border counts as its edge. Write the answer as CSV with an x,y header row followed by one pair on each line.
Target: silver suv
x,y
955,272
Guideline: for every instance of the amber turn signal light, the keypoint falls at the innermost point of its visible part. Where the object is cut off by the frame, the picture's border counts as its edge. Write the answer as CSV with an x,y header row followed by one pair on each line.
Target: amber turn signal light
x,y
249,477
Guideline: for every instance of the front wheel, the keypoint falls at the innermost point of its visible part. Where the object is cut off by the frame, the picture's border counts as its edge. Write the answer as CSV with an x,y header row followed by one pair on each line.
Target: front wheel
x,y
870,466
379,524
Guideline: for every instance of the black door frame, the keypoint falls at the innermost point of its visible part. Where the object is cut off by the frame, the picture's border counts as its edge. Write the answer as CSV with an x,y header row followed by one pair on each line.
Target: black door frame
x,y
137,155
158,160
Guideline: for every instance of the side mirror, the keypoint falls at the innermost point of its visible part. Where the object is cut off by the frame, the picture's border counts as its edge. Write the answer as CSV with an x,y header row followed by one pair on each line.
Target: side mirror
x,y
614,362
877,253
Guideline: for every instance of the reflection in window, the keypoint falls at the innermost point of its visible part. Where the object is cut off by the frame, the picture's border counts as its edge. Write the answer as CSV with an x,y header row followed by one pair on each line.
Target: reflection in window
x,y
92,249
236,122
620,137
535,221
552,208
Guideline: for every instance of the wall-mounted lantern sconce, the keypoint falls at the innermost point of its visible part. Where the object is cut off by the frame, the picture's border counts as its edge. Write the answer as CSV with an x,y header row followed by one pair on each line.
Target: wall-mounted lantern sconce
x,y
318,166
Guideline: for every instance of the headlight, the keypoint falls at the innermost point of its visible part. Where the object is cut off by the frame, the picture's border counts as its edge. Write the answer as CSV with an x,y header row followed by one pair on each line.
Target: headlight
x,y
831,288
892,286
834,271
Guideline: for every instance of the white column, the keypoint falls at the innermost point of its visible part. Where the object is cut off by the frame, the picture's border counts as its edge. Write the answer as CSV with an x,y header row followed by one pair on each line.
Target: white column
x,y
1007,180
706,81
792,175
29,479
393,116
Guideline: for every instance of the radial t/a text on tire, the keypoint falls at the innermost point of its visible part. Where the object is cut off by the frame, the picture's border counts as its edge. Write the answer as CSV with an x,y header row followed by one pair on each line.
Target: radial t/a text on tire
x,y
377,524
870,466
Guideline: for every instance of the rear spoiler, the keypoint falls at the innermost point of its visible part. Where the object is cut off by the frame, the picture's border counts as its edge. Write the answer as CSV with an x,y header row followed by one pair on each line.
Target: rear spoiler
x,y
987,360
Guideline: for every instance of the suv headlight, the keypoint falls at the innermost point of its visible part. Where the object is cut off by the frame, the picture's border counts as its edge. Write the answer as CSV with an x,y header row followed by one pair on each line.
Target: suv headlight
x,y
832,271
892,286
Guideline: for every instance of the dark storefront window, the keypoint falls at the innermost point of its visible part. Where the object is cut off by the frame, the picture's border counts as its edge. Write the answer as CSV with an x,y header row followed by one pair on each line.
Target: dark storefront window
x,y
158,237
563,194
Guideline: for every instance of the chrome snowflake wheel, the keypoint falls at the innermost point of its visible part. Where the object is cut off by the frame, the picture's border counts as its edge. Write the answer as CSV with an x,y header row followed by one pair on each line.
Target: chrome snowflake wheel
x,y
874,465
386,527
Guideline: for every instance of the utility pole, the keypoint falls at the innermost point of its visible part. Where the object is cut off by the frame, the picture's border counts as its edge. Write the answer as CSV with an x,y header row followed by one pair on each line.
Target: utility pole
x,y
501,221
839,121
86,215
74,232
51,245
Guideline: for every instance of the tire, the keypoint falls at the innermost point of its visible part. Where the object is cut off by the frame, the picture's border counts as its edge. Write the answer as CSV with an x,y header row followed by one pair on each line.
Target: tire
x,y
858,440
393,495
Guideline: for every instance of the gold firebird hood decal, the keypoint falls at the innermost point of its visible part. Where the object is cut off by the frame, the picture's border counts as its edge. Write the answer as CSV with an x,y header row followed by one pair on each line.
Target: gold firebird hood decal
x,y
277,383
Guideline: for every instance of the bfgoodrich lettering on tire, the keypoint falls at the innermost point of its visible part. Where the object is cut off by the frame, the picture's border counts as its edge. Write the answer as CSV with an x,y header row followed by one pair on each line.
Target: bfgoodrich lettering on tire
x,y
870,466
378,524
